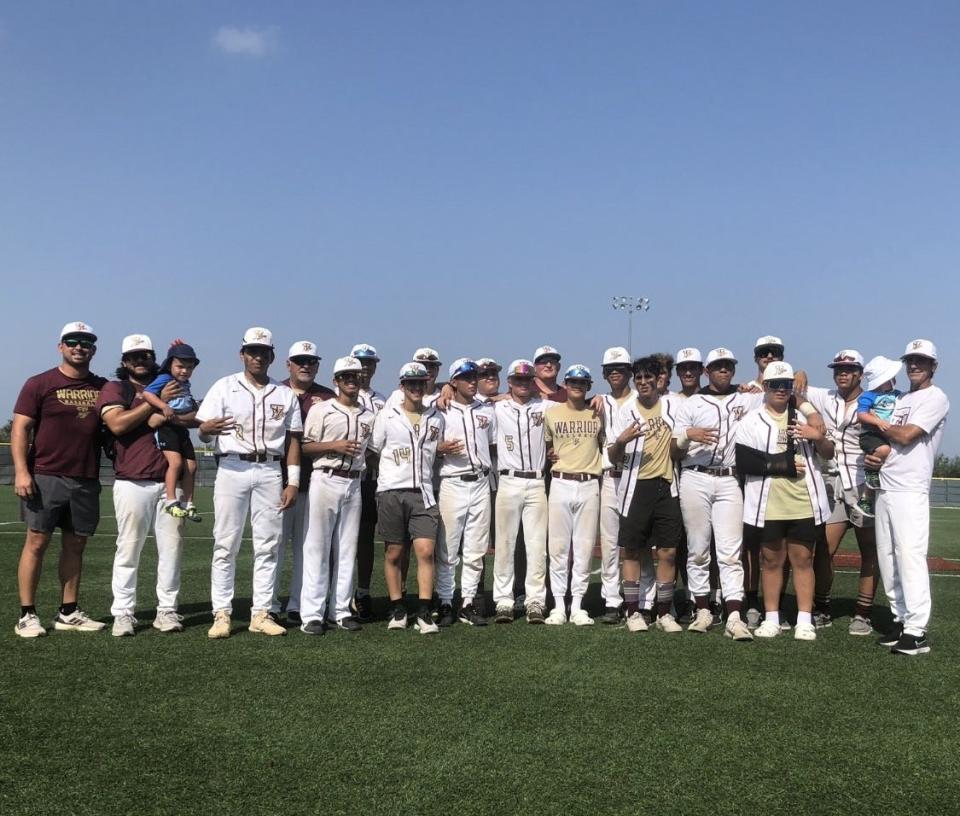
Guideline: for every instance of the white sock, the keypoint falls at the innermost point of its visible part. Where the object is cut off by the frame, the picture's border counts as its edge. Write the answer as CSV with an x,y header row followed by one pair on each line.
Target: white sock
x,y
773,617
804,617
575,602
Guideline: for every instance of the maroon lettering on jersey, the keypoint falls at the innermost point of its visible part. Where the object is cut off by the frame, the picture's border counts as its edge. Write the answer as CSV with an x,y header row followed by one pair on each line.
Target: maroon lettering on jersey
x,y
137,456
66,434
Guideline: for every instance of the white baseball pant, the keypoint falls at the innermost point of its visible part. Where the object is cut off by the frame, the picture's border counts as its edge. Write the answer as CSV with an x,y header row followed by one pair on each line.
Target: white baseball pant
x,y
520,500
138,506
294,530
609,549
330,547
902,525
241,488
574,510
713,504
465,512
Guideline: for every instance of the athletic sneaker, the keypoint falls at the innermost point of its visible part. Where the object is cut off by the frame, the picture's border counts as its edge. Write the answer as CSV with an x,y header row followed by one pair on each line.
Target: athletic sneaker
x,y
784,624
805,631
192,514
717,611
221,625
610,616
893,636
581,618
123,625
293,616
557,617
398,618
636,622
504,613
348,624
767,629
76,622
822,620
175,509
865,506
470,616
872,478
363,606
313,627
702,622
911,645
753,618
29,626
737,630
667,623
425,625
519,604
446,616
262,623
167,620
535,613
860,626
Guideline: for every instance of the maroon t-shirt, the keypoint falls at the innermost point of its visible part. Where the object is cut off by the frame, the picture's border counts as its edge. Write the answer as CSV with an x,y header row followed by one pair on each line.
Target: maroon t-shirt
x,y
137,457
66,438
560,395
316,393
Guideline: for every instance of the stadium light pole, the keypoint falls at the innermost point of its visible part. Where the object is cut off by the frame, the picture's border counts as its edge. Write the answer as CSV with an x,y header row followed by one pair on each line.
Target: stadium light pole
x,y
630,305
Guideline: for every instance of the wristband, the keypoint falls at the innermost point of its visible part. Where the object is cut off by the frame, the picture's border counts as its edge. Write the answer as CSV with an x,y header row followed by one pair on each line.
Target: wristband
x,y
806,409
683,441
293,475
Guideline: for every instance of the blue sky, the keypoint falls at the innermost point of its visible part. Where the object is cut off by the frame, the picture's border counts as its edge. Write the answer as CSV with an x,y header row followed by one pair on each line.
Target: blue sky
x,y
481,178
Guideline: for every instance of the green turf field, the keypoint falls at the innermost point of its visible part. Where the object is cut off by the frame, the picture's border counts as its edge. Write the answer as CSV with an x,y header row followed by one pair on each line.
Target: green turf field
x,y
502,720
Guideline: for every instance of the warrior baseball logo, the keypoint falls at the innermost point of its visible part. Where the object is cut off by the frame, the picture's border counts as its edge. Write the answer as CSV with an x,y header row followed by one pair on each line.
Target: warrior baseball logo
x,y
83,399
364,430
537,417
738,412
482,421
434,433
276,411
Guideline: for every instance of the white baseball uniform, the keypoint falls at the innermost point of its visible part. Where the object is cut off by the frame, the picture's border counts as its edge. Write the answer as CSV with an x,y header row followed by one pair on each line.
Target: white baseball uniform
x,y
521,496
407,452
903,508
465,498
609,510
248,480
330,544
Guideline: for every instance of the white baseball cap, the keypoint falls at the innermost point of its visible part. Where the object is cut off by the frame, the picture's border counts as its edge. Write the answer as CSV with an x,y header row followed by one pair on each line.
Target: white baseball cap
x,y
303,348
921,348
689,355
545,351
344,364
136,342
879,370
364,351
778,371
767,340
427,355
520,368
721,353
413,371
578,371
488,362
257,336
77,327
846,357
617,355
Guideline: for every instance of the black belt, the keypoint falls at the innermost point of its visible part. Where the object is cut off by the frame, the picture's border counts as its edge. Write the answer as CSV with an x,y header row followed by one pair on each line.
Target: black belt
x,y
470,477
253,457
613,472
343,474
523,474
574,477
713,471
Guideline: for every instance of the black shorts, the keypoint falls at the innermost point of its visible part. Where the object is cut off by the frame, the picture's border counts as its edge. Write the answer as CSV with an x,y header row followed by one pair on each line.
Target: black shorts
x,y
71,504
803,530
175,439
653,519
752,537
870,440
402,516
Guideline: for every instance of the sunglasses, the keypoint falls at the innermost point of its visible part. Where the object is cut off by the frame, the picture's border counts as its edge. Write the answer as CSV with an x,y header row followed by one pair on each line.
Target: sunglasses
x,y
689,368
769,351
139,357
348,376
305,360
489,374
578,383
722,365
780,385
645,375
75,342
550,361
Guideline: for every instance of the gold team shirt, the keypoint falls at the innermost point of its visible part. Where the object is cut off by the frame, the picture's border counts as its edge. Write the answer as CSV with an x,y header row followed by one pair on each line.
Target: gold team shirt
x,y
655,461
413,417
788,498
576,437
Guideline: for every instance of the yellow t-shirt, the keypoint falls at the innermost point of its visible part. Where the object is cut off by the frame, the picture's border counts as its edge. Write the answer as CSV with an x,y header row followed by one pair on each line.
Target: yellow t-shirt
x,y
655,461
788,498
575,436
413,418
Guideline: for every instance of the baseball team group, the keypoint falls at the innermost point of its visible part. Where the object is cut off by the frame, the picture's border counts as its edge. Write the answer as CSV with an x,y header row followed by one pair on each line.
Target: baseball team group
x,y
704,501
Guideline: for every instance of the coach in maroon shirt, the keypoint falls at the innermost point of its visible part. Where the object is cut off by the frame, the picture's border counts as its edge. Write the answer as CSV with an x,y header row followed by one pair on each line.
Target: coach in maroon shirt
x,y
57,477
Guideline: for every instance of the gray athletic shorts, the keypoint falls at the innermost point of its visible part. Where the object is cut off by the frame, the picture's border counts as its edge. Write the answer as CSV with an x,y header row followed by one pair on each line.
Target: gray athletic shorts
x,y
401,516
843,505
71,504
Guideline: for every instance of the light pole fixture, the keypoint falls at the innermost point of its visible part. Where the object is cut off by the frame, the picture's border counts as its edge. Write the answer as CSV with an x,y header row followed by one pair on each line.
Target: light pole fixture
x,y
630,305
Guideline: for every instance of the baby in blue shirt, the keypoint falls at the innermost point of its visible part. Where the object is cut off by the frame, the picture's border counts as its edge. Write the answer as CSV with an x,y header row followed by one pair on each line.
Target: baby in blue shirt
x,y
174,439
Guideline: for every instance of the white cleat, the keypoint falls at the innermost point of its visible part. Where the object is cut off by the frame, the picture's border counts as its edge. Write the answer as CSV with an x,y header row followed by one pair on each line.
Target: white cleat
x,y
29,626
637,623
767,629
581,618
737,629
557,617
805,631
702,622
124,626
667,623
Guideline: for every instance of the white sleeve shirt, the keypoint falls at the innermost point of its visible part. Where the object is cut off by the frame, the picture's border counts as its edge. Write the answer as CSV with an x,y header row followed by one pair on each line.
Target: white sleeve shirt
x,y
476,426
407,452
722,413
910,467
519,436
330,421
844,428
262,416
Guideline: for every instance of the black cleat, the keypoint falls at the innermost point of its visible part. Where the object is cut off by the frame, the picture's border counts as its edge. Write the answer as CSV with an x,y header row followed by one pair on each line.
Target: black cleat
x,y
446,616
470,616
911,645
892,638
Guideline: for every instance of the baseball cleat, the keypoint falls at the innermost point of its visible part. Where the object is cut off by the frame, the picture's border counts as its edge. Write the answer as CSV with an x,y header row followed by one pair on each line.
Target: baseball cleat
x,y
504,613
76,622
805,631
29,626
293,616
893,636
784,623
425,625
123,626
860,626
667,623
349,624
557,617
535,613
911,645
767,629
753,618
581,618
702,622
167,620
519,604
221,626
264,624
822,620
610,616
398,618
717,611
470,616
313,627
737,630
363,606
446,616
636,623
